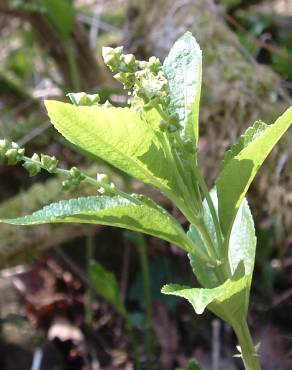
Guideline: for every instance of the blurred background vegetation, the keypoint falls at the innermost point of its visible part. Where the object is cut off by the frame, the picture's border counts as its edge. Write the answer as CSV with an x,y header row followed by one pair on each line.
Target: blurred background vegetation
x,y
76,297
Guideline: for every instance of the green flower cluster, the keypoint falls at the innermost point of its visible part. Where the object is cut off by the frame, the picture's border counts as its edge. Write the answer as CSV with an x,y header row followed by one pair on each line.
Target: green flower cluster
x,y
75,177
147,83
106,186
36,163
146,80
84,99
11,152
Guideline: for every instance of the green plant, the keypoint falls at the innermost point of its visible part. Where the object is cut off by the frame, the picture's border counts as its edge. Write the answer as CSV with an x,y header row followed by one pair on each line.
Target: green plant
x,y
155,140
61,16
105,284
139,241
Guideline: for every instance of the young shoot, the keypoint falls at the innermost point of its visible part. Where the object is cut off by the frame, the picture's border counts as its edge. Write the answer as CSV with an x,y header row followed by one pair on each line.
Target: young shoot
x,y
155,139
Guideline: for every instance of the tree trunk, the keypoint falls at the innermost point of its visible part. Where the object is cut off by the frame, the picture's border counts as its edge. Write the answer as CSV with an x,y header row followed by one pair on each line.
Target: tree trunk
x,y
236,91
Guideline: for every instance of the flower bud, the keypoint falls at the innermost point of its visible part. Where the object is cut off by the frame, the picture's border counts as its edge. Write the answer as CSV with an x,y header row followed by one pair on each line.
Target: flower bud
x,y
154,65
34,167
14,154
172,128
125,78
4,145
67,185
84,99
75,173
189,146
130,63
174,120
103,178
143,64
102,190
163,125
49,163
112,57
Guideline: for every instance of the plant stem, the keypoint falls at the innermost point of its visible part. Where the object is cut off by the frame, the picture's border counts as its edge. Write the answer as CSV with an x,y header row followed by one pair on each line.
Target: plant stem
x,y
142,248
207,238
248,352
89,250
132,339
73,67
206,193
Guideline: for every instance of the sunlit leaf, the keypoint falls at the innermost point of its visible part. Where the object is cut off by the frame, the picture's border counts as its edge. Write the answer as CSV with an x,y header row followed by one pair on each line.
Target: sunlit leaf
x,y
113,211
183,68
120,137
241,168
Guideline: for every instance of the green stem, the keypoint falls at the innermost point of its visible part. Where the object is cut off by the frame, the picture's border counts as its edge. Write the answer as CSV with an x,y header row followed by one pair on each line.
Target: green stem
x,y
74,72
92,181
142,248
89,250
184,182
130,331
219,270
188,245
89,180
206,193
248,352
207,238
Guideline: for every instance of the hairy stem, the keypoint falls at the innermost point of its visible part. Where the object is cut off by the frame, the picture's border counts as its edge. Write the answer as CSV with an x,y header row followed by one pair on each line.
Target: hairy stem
x,y
206,193
142,248
74,72
207,238
89,251
132,340
248,351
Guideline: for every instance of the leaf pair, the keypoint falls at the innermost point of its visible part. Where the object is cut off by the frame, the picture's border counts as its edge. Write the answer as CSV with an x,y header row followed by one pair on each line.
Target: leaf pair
x,y
230,299
239,167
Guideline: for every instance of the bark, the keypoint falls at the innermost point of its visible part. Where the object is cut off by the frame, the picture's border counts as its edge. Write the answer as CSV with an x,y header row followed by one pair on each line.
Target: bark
x,y
236,92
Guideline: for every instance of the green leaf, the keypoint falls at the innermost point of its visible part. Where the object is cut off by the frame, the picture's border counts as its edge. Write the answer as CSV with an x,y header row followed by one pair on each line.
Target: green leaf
x,y
193,365
247,138
205,275
240,169
61,14
242,241
106,285
183,69
241,246
116,211
200,298
120,137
